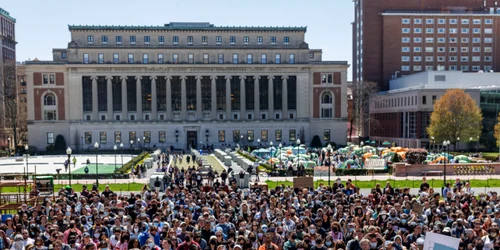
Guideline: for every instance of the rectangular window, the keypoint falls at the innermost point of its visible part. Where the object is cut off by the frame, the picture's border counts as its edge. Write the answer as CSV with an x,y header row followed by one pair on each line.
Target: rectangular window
x,y
464,68
236,136
100,58
476,58
488,40
417,30
429,30
63,54
103,137
220,59
205,58
476,40
429,21
487,49
487,58
250,136
453,21
488,21
424,100
476,68
132,136
417,39
453,31
161,59
273,40
453,58
441,40
464,40
246,40
118,39
453,49
417,68
476,31
417,58
327,78
147,39
417,49
441,30
476,21
429,40
440,58
147,136
464,49
162,137
417,21
441,21
488,31
326,132
161,40
277,59
190,58
130,58
476,49
429,58
286,40
218,40
86,58
292,135
52,79
406,30
175,40
405,39
465,31
190,40
405,58
118,137
175,58
221,135
116,58
291,59
260,40
453,39
50,138
405,49
249,59
145,58
263,136
235,58
204,39
104,39
132,39
405,68
405,21
263,58
88,137
278,134
232,40
465,21
90,39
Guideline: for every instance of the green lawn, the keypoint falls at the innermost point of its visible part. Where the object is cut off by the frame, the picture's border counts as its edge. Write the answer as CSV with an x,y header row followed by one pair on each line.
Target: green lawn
x,y
103,169
398,183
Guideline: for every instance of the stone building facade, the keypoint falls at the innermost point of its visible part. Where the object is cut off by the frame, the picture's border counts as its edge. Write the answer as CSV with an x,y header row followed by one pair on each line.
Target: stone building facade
x,y
186,84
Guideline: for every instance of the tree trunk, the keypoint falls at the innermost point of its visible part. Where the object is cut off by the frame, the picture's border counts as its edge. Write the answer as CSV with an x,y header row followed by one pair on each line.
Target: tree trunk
x,y
14,128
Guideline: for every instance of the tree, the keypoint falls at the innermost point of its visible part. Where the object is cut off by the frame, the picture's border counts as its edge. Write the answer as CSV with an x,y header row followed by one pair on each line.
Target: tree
x,y
60,143
497,131
456,115
362,94
316,142
14,116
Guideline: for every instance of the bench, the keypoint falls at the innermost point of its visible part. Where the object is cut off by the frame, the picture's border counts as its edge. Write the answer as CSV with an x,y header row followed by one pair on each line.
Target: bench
x,y
434,172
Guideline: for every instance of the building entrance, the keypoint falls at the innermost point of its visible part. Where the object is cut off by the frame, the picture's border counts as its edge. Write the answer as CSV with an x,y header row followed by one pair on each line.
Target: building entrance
x,y
192,138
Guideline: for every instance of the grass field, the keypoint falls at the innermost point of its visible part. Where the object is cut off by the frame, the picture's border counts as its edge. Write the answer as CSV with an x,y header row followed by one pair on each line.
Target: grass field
x,y
398,183
103,169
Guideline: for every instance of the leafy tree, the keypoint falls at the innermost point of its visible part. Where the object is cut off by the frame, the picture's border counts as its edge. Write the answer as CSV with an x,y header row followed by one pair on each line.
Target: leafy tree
x,y
60,143
456,115
497,131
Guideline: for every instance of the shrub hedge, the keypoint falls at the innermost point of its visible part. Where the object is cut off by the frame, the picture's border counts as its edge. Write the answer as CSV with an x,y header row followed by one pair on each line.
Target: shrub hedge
x,y
128,166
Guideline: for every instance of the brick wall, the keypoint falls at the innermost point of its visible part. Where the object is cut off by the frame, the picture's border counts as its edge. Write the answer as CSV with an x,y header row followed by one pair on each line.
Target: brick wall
x,y
38,93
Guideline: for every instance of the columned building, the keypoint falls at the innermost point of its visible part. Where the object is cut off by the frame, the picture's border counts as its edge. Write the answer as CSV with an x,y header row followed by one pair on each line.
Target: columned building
x,y
7,78
186,84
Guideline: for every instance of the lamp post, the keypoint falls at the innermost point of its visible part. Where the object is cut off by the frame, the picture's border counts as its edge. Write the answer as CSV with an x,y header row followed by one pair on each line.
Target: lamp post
x,y
271,144
241,140
131,143
329,148
432,142
121,152
8,145
96,146
361,144
115,148
27,167
477,144
143,141
68,152
445,145
458,143
139,143
298,153
258,145
281,152
470,139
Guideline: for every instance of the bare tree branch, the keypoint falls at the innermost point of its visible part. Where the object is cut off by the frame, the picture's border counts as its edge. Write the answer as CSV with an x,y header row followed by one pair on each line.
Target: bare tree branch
x,y
363,93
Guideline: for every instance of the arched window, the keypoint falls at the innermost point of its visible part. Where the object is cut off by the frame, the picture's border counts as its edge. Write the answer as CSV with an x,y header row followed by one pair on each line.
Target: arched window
x,y
49,100
326,104
326,98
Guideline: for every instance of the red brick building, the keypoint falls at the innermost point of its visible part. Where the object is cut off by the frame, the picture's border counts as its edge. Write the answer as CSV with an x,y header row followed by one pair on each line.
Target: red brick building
x,y
393,37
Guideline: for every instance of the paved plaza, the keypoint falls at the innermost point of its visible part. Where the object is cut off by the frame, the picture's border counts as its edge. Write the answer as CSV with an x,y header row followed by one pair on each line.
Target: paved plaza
x,y
48,164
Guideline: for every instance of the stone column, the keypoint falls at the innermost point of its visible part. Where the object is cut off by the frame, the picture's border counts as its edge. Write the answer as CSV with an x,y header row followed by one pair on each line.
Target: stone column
x,y
183,98
109,91
95,112
228,97
124,98
242,98
138,94
256,97
153,98
199,113
284,97
169,97
270,97
213,109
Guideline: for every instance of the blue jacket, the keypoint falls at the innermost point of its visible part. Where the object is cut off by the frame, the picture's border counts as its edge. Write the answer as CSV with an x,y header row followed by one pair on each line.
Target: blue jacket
x,y
146,235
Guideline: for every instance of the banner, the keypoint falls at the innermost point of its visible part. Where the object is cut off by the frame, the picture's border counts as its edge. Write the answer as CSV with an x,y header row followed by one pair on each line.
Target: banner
x,y
375,164
323,171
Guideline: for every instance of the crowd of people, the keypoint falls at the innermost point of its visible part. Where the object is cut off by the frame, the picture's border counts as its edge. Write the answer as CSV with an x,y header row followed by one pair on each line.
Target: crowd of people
x,y
225,217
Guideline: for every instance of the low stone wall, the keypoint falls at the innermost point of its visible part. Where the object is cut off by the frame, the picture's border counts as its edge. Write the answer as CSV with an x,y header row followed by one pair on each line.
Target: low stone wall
x,y
402,169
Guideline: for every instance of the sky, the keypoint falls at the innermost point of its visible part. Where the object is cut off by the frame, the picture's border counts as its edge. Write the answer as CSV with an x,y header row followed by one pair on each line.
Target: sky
x,y
43,25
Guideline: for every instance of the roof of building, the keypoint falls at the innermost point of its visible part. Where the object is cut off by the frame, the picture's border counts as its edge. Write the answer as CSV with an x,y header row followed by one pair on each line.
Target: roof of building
x,y
437,12
187,26
6,14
